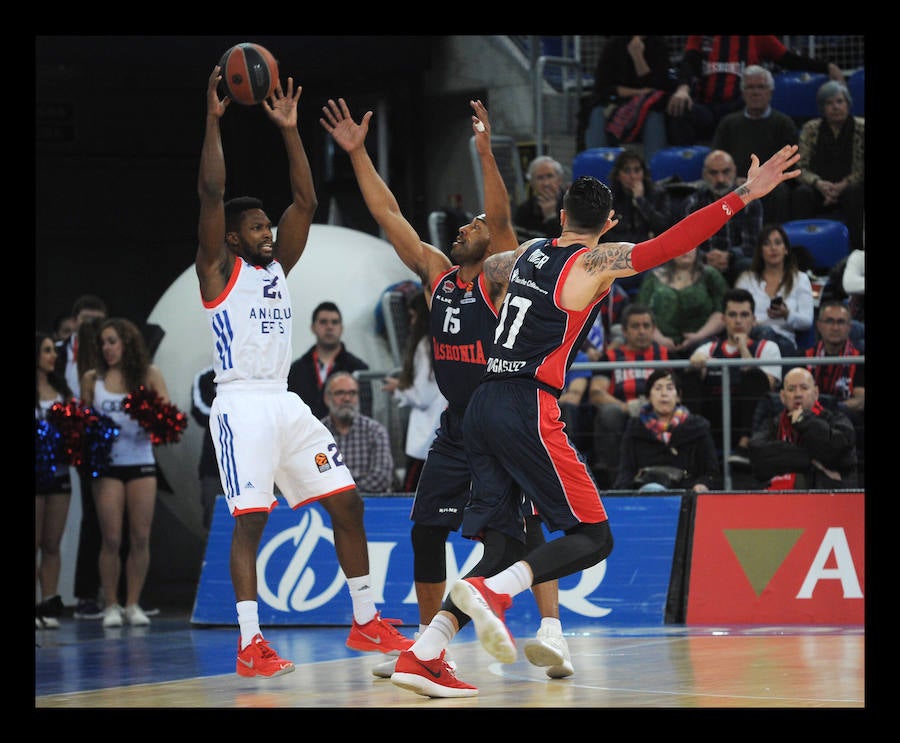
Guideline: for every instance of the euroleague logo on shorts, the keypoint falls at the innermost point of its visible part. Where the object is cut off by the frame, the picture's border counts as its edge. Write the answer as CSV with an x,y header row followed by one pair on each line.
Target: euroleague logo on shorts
x,y
322,462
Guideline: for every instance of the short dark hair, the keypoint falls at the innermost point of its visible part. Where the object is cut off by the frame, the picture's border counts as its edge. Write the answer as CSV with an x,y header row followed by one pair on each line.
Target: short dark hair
x,y
88,302
662,373
587,204
738,295
235,208
326,307
636,308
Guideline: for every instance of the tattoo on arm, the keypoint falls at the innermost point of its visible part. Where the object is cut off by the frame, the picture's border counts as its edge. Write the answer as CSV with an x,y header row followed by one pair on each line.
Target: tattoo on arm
x,y
608,257
742,190
497,267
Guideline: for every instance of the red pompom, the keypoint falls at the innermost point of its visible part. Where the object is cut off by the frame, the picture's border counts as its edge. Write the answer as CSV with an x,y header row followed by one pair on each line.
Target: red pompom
x,y
163,421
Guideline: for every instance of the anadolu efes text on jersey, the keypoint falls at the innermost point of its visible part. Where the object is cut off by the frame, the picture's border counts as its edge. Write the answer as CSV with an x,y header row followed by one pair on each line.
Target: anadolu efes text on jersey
x,y
251,324
536,337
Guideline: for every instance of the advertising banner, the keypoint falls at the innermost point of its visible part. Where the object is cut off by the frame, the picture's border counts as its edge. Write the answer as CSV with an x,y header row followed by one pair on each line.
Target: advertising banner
x,y
300,582
778,558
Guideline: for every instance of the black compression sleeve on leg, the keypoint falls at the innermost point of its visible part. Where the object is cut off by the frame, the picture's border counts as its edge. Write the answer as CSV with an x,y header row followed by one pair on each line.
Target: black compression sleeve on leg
x,y
534,533
582,547
429,554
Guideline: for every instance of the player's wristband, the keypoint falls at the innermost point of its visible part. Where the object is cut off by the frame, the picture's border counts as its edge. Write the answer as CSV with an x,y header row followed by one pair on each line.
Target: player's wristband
x,y
687,234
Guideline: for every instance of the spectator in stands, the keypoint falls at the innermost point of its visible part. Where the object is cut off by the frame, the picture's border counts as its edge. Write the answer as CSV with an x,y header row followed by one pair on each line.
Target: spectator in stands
x,y
702,384
203,392
363,442
686,298
761,130
832,163
642,208
538,215
709,75
416,388
327,355
666,446
781,292
731,248
617,394
840,385
806,445
631,87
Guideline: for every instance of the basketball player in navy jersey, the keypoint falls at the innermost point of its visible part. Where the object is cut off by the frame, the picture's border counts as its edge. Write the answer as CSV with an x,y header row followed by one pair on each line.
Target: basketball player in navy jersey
x,y
258,427
463,301
512,429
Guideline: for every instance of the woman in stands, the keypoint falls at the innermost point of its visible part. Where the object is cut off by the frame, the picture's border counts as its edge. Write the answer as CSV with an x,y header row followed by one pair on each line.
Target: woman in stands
x,y
781,291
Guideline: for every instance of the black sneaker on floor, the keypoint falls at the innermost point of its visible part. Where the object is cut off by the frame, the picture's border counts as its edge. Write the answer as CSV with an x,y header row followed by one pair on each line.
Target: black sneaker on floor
x,y
88,609
49,611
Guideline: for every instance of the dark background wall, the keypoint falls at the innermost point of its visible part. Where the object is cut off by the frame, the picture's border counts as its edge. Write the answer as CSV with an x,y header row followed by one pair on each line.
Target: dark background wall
x,y
118,129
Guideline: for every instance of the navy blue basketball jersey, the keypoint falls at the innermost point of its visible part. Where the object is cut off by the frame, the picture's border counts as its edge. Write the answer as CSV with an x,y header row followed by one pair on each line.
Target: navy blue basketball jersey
x,y
536,338
463,321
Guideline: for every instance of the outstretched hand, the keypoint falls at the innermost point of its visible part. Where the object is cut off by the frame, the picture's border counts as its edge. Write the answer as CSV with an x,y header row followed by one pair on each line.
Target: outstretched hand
x,y
215,106
761,179
281,108
482,135
340,125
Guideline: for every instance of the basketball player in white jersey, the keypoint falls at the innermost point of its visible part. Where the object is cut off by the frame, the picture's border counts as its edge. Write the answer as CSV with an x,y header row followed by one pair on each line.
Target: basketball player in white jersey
x,y
262,432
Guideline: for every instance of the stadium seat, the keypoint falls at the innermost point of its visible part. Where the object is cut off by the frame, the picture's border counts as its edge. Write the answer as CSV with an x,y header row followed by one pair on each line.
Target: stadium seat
x,y
795,94
856,84
827,240
685,162
597,161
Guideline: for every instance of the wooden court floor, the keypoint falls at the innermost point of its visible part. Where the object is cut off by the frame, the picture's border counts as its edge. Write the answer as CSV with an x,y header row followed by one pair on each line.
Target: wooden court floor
x,y
173,664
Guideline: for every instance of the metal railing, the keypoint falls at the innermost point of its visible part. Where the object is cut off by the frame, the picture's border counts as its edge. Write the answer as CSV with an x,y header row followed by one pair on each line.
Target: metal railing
x,y
388,413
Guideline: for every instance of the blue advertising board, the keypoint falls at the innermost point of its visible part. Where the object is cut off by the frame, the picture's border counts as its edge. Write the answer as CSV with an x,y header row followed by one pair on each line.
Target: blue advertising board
x,y
301,583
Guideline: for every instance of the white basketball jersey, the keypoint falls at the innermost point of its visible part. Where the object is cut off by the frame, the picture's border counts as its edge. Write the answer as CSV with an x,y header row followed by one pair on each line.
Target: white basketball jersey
x,y
251,325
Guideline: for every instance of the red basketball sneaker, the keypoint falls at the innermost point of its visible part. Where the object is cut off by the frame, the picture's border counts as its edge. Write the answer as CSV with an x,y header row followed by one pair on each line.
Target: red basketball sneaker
x,y
377,636
430,678
258,659
487,610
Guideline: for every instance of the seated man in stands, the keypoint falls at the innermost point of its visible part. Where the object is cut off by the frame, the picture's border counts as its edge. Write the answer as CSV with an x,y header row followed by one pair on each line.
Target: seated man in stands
x,y
748,384
806,445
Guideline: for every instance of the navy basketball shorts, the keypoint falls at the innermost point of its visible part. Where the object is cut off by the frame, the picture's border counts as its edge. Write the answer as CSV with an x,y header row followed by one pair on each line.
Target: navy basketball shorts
x,y
515,441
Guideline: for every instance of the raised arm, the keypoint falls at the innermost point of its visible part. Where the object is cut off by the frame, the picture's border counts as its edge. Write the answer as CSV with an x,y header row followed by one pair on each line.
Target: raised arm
x,y
608,261
424,259
214,260
293,227
498,214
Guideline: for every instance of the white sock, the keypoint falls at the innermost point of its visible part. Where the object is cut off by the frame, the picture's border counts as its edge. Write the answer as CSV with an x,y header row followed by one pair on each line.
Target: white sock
x,y
248,618
551,624
515,579
361,595
434,638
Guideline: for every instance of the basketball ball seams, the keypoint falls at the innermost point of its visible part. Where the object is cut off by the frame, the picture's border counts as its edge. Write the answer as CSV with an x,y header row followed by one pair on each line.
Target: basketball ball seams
x,y
249,73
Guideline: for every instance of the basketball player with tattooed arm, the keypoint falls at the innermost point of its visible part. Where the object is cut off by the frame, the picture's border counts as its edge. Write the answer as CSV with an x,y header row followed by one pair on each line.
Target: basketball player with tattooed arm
x,y
261,430
464,301
512,430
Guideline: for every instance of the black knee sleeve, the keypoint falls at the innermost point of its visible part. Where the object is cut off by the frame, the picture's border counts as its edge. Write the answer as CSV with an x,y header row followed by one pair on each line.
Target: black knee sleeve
x,y
429,554
582,547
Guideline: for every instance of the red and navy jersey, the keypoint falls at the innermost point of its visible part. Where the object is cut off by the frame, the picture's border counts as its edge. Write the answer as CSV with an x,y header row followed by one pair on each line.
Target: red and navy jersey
x,y
723,61
463,321
837,379
536,337
713,377
626,382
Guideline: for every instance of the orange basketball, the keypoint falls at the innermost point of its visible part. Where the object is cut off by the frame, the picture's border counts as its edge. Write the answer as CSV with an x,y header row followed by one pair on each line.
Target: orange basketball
x,y
249,73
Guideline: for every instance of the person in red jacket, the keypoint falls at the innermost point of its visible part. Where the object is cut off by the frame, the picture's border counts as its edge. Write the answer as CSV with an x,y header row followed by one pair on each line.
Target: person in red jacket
x,y
709,80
